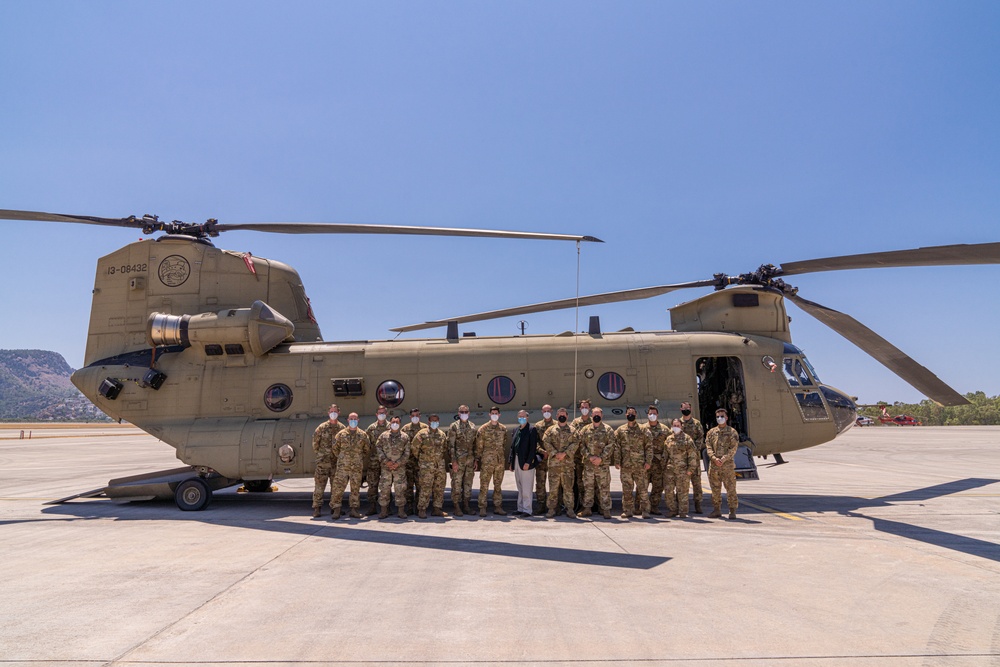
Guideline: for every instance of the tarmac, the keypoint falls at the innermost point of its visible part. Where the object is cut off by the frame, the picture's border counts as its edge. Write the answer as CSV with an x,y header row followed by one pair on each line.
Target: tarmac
x,y
880,548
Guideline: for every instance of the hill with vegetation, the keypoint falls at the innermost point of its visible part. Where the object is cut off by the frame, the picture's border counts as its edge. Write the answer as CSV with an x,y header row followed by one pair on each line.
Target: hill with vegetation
x,y
35,386
982,410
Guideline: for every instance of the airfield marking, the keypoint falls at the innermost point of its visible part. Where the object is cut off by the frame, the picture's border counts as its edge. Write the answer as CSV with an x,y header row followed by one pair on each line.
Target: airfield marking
x,y
783,515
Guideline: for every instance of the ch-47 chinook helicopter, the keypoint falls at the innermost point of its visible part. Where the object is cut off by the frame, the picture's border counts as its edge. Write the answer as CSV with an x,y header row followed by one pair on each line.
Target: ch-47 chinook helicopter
x,y
218,354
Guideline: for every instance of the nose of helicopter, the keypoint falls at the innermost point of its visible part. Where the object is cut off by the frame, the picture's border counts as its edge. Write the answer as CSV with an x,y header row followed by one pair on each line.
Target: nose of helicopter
x,y
842,408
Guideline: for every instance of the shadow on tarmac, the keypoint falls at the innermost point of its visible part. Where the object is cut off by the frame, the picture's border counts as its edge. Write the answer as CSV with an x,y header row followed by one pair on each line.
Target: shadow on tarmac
x,y
231,510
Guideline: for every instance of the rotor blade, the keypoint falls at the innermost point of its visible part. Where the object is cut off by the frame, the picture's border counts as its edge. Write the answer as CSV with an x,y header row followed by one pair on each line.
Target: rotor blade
x,y
593,299
942,255
883,351
132,221
349,228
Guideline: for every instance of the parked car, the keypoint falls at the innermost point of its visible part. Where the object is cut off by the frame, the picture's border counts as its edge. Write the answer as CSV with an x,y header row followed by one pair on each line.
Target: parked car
x,y
864,420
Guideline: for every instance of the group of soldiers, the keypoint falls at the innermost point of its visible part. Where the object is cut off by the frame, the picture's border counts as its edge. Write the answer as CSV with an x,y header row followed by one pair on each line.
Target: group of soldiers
x,y
656,461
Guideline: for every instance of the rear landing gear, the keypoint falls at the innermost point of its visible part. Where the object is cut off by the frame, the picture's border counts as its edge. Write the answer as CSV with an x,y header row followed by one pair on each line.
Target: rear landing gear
x,y
192,495
257,485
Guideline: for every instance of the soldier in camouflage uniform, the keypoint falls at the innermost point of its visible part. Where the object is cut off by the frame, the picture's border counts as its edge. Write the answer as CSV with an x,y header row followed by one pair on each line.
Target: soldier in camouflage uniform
x,y
696,431
658,470
683,463
412,473
326,465
597,441
634,450
350,451
393,453
583,420
491,458
374,472
541,468
429,448
462,445
721,443
560,447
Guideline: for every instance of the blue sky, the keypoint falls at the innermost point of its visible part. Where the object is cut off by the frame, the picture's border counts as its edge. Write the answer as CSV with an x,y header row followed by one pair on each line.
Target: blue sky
x,y
694,138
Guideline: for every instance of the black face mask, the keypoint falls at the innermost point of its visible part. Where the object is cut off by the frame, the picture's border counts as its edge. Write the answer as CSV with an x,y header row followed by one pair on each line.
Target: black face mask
x,y
685,412
597,419
631,418
562,419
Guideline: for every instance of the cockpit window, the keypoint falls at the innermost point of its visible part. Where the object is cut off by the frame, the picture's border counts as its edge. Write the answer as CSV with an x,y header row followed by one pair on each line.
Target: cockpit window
x,y
796,373
812,371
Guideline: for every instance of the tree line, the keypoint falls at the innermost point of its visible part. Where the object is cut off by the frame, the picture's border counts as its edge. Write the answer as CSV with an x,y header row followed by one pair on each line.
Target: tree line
x,y
982,410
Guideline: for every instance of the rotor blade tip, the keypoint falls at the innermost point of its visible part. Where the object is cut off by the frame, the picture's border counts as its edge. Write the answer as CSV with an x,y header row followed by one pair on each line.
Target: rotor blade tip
x,y
592,239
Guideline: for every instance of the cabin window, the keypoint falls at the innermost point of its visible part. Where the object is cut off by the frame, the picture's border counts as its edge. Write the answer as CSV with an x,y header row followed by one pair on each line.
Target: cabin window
x,y
812,407
390,394
278,397
795,373
611,386
501,390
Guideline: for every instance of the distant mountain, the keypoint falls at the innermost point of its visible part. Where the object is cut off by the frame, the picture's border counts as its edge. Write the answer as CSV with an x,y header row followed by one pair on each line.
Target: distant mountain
x,y
35,386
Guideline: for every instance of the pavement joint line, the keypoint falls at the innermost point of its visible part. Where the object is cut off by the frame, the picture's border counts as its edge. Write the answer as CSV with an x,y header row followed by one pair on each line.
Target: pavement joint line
x,y
121,659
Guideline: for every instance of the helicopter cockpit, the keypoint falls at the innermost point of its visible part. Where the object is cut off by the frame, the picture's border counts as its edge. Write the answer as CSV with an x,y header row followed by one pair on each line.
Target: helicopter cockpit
x,y
816,401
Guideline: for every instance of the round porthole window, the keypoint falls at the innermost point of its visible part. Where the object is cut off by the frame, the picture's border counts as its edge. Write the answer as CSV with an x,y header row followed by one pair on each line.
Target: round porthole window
x,y
390,394
501,390
278,397
611,386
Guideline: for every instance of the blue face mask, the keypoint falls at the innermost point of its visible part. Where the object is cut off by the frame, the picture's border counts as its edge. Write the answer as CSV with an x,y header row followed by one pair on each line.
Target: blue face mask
x,y
435,424
522,420
353,423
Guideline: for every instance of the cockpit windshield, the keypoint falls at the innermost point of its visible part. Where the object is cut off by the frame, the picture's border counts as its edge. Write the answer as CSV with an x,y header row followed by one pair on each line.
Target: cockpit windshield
x,y
795,373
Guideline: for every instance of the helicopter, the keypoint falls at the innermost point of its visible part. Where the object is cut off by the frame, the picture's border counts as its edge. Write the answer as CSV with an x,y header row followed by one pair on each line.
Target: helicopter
x,y
218,354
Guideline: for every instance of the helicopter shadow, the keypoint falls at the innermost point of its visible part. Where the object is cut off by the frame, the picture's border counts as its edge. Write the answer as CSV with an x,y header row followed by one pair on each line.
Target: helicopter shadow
x,y
267,515
853,507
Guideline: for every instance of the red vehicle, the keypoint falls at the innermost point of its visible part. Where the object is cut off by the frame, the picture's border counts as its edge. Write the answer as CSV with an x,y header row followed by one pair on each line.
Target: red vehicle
x,y
900,420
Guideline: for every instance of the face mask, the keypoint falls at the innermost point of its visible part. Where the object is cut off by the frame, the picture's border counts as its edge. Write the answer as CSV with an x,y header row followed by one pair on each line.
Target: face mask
x,y
562,419
631,418
464,416
597,419
676,430
547,415
394,426
494,418
381,417
435,424
414,420
686,413
522,420
721,420
333,416
584,411
652,417
353,423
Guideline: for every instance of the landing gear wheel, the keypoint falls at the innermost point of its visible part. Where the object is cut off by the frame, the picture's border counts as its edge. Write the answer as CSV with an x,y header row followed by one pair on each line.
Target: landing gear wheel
x,y
257,485
192,495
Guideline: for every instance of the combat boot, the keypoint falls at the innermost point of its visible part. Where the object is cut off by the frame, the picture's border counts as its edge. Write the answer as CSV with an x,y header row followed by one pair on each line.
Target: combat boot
x,y
499,511
697,507
384,513
482,510
645,515
458,510
732,514
371,509
570,513
401,514
355,514
437,512
551,514
656,511
422,514
334,514
716,514
586,512
316,512
465,507
626,515
682,516
607,514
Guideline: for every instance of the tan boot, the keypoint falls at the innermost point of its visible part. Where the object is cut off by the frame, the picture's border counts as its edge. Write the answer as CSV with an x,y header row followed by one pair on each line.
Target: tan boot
x,y
384,513
355,514
458,510
401,514
716,514
335,514
437,512
422,514
316,512
570,513
732,514
482,510
371,509
586,512
499,511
